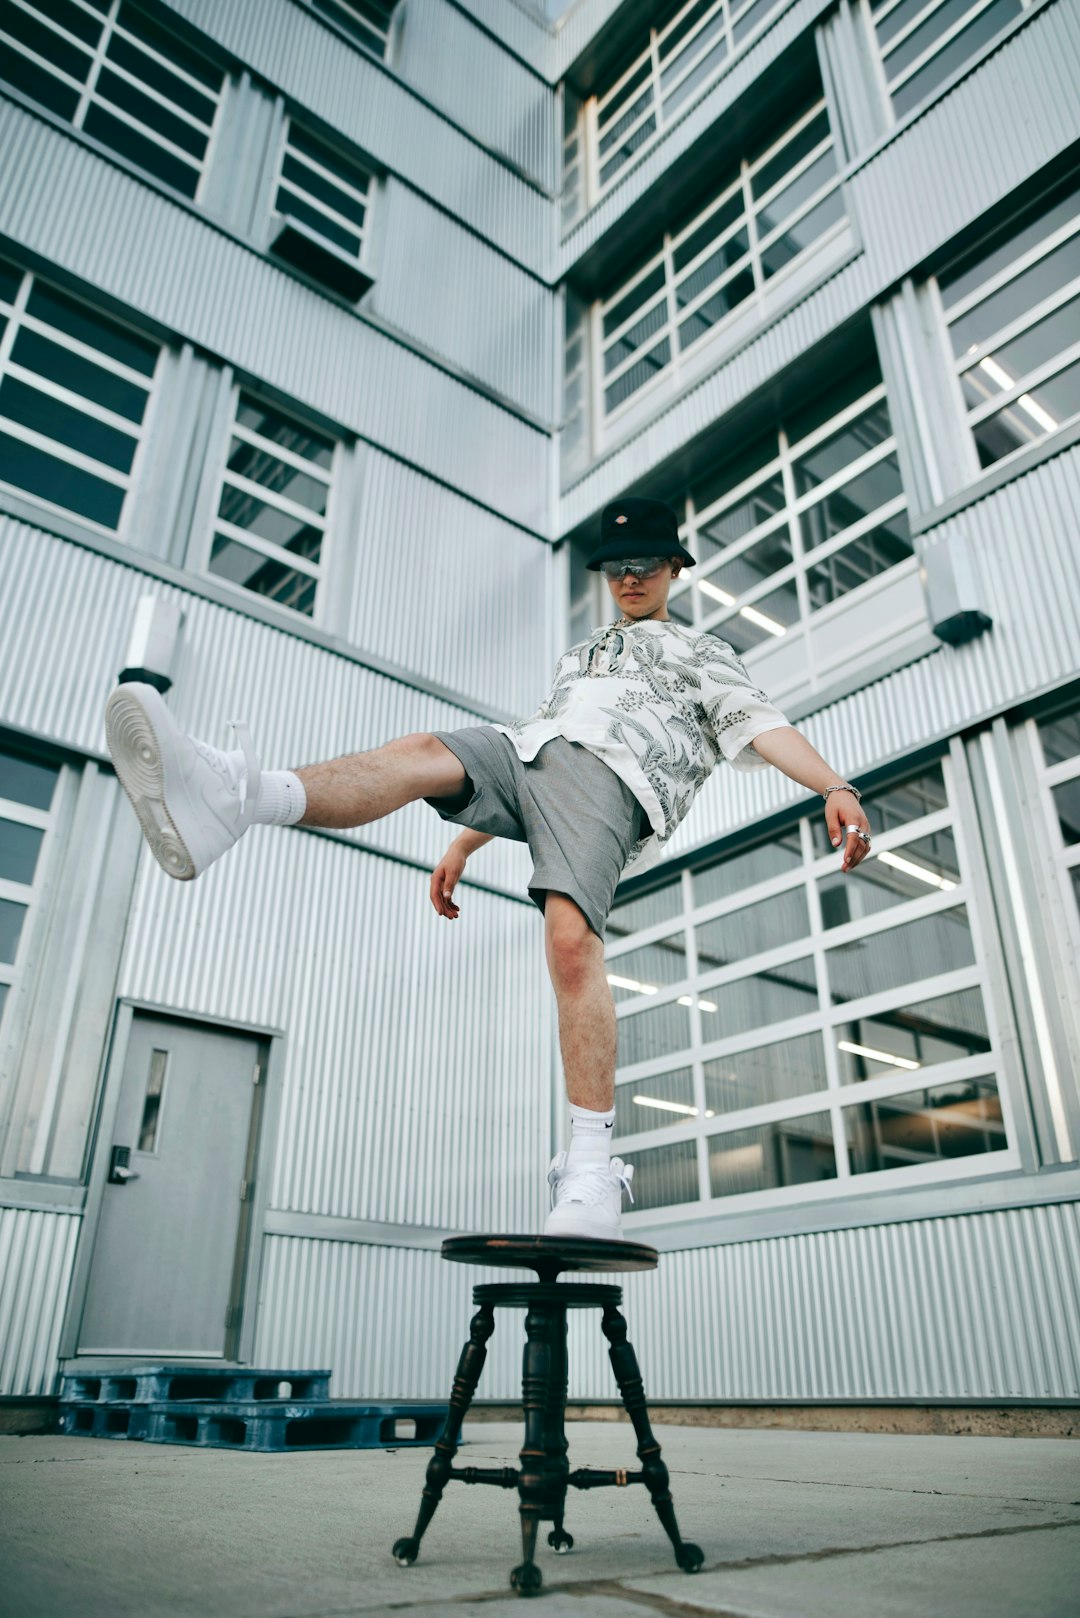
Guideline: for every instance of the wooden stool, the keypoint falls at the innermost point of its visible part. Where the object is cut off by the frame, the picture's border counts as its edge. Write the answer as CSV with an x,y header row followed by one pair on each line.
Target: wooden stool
x,y
544,1474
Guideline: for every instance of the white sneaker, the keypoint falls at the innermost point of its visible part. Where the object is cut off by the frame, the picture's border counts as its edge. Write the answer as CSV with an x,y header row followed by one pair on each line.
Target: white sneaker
x,y
193,801
587,1198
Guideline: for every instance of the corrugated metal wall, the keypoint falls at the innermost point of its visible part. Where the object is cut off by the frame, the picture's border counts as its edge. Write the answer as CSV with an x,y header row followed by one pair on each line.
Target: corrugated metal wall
x,y
355,95
37,1251
75,209
981,1306
498,99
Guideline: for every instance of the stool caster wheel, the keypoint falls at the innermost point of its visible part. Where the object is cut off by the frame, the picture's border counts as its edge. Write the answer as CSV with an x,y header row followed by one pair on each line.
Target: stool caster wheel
x,y
560,1541
689,1557
526,1579
405,1551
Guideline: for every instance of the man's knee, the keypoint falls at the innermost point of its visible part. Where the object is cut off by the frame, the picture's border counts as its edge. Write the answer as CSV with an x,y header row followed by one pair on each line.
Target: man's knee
x,y
574,950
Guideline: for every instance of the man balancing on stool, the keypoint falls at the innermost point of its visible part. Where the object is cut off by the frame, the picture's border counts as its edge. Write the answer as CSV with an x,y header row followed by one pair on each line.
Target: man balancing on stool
x,y
595,781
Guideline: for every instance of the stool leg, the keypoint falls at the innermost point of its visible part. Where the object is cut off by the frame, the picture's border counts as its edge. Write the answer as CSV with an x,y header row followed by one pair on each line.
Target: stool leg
x,y
624,1364
536,1375
558,1466
469,1367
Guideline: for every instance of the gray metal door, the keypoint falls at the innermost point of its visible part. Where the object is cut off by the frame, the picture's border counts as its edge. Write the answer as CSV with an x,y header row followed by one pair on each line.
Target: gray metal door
x,y
166,1254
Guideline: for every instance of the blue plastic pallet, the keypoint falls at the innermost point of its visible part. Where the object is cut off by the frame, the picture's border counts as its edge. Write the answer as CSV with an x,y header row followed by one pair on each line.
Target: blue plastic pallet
x,y
139,1384
259,1426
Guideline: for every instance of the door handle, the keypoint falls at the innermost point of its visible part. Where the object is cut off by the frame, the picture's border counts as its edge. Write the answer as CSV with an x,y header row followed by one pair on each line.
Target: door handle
x,y
119,1173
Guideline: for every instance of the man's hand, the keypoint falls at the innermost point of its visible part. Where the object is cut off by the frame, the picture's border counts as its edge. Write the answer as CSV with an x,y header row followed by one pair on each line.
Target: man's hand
x,y
842,809
445,878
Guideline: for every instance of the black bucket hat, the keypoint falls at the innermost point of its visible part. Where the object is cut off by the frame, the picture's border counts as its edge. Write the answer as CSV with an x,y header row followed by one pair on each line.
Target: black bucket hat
x,y
637,527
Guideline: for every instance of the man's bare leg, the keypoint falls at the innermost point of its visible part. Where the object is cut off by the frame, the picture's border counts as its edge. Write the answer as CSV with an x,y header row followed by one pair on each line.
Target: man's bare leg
x,y
587,1032
361,787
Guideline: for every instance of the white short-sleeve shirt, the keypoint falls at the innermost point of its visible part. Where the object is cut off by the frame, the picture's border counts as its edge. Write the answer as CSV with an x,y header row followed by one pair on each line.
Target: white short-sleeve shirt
x,y
659,703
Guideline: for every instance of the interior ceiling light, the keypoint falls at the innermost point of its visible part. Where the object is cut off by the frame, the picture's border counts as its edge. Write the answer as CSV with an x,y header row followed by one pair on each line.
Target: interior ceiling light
x,y
877,1056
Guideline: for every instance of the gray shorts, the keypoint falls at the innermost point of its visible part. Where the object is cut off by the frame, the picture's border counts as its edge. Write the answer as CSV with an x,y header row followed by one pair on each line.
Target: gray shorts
x,y
578,817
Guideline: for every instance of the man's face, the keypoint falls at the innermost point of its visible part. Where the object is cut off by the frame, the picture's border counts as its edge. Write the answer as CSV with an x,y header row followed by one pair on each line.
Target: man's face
x,y
645,598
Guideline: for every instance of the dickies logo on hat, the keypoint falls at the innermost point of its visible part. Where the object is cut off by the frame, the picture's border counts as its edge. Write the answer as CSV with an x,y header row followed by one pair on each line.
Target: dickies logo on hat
x,y
620,519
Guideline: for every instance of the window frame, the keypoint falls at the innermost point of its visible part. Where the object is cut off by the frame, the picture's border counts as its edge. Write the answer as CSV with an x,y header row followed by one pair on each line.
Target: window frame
x,y
30,894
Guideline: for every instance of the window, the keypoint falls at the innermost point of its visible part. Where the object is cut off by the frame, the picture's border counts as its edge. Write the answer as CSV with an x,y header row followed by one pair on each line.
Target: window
x,y
923,41
74,388
780,1025
116,74
270,532
27,790
1059,739
771,208
1013,314
799,519
323,196
365,21
689,45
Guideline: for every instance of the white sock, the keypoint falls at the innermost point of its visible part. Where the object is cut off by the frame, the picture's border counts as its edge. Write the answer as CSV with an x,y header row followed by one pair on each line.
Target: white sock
x,y
282,799
590,1134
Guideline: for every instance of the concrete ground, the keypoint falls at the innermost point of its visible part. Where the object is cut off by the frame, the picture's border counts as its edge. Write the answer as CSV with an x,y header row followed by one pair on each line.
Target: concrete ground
x,y
793,1525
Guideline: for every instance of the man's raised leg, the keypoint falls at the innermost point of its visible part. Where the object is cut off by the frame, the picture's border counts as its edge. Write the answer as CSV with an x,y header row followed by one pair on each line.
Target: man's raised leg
x,y
194,801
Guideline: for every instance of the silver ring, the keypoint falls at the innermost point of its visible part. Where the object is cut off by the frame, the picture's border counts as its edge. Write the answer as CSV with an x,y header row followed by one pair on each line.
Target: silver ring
x,y
865,835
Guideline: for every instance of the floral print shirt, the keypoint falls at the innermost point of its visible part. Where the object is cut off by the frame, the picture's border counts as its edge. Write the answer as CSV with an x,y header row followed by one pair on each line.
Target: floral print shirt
x,y
659,703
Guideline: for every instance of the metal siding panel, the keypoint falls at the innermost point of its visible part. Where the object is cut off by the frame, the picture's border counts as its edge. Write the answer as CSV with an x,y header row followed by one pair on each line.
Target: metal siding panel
x,y
444,287
355,95
155,257
37,1251
900,221
474,617
447,59
981,1306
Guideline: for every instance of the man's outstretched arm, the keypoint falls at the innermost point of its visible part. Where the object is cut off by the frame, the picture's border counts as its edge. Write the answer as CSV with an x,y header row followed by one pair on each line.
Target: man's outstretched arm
x,y
446,874
791,753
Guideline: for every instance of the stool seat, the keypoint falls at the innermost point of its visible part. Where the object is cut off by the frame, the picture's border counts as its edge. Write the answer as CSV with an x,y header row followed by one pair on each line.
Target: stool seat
x,y
544,1474
548,1255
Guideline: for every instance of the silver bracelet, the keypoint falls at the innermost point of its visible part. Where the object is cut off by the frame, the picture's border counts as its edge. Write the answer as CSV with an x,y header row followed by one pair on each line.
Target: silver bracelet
x,y
842,786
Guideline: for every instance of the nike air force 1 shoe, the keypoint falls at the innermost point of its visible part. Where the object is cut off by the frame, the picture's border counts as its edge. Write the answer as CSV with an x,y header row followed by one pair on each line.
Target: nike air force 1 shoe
x,y
587,1198
193,801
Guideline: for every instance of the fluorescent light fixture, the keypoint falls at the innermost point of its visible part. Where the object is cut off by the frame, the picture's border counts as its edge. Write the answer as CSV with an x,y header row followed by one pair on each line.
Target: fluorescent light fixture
x,y
703,1005
664,1106
632,983
715,591
878,1056
997,373
762,620
921,871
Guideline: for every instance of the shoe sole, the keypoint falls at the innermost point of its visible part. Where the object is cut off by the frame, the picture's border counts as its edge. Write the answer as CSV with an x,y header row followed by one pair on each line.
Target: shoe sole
x,y
136,753
575,1228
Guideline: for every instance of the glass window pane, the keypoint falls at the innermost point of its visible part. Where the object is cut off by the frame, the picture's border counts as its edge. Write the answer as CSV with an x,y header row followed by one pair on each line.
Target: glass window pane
x,y
649,1034
300,440
765,620
802,233
631,340
864,558
667,1098
1030,417
258,466
792,152
1066,798
927,1126
919,949
637,376
1060,736
51,479
801,189
3,999
155,1083
168,45
664,1175
646,288
310,180
778,1072
891,877
752,865
761,1000
79,375
917,1034
139,149
712,268
752,565
291,533
952,55
12,916
851,384
43,414
265,577
118,92
764,925
631,915
1025,291
1011,362
741,518
643,971
707,314
10,279
831,455
794,1151
19,849
147,70
74,318
24,780
1041,218
677,95
37,36
896,804
329,229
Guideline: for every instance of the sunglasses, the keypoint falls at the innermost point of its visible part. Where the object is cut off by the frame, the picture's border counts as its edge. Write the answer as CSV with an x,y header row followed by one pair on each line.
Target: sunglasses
x,y
642,567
